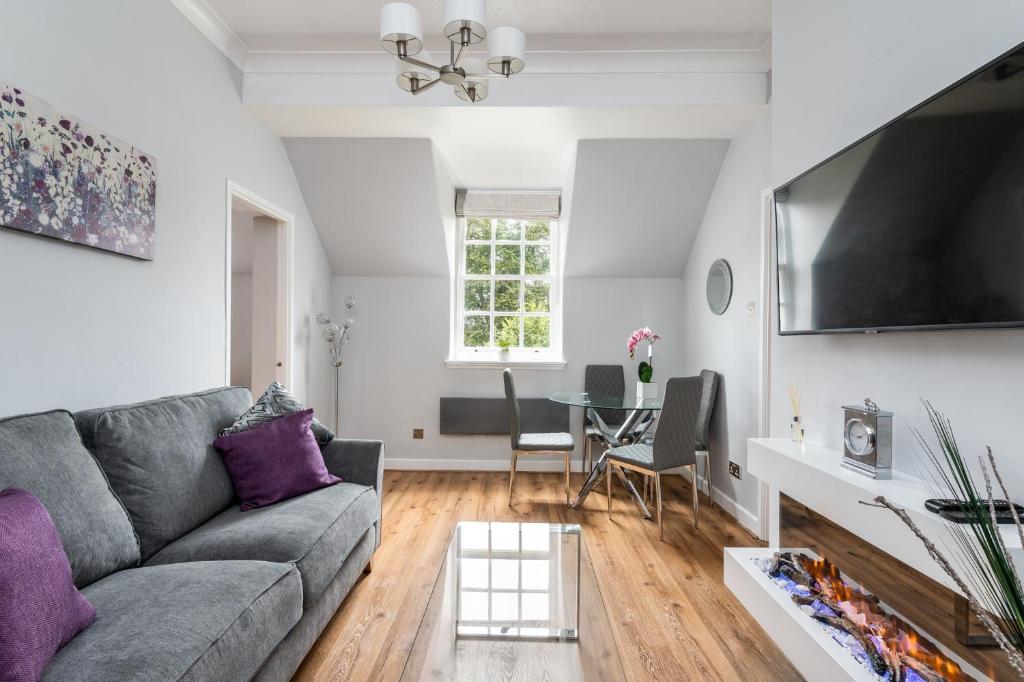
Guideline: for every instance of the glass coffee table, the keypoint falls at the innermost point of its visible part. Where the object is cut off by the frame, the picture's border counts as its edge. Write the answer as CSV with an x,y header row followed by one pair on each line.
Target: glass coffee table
x,y
515,601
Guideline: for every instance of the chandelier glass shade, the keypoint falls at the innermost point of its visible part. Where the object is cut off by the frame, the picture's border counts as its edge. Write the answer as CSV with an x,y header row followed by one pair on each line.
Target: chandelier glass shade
x,y
465,24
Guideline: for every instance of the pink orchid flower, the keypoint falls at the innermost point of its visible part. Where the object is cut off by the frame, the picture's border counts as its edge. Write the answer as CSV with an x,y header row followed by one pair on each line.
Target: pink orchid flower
x,y
639,336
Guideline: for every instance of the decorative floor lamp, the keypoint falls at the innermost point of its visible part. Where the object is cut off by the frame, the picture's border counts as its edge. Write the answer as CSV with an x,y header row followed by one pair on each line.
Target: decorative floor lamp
x,y
337,336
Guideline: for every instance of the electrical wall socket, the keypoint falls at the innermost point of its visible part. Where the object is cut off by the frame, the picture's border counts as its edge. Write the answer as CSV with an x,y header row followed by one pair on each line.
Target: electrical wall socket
x,y
734,470
417,434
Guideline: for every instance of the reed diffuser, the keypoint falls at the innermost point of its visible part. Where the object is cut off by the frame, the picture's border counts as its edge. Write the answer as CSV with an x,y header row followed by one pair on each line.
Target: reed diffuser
x,y
796,427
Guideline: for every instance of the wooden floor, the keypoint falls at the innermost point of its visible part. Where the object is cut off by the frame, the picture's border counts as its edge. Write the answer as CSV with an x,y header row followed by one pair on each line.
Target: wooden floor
x,y
672,616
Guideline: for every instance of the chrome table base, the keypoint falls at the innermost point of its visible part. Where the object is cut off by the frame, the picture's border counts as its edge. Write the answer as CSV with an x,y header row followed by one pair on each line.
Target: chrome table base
x,y
626,433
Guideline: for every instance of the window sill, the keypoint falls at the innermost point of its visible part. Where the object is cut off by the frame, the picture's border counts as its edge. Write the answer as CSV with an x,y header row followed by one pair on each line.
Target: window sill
x,y
493,361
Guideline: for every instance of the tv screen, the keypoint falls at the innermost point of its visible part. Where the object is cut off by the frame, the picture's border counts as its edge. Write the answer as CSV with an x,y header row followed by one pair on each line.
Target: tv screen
x,y
918,225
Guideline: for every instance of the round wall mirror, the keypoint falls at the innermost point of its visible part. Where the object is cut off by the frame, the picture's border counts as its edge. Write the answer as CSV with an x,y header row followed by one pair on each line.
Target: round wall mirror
x,y
719,286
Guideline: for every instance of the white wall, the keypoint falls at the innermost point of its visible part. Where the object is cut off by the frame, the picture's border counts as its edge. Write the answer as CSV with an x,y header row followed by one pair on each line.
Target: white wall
x,y
81,327
728,343
394,372
839,71
241,330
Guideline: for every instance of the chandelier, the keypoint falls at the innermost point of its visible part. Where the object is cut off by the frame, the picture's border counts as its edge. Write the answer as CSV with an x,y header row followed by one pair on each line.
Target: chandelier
x,y
465,21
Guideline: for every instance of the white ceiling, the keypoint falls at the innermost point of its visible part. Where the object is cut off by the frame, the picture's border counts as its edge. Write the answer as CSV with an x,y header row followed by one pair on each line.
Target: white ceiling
x,y
353,24
508,147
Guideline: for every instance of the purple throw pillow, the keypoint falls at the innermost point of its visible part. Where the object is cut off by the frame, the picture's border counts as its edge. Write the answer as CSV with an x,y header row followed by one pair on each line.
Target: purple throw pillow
x,y
40,608
275,461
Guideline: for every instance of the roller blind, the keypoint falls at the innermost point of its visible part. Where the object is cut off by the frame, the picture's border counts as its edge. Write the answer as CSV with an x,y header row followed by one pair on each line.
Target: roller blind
x,y
501,204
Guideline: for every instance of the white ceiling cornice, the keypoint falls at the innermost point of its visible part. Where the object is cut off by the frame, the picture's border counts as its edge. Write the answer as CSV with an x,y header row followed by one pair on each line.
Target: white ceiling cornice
x,y
216,30
577,71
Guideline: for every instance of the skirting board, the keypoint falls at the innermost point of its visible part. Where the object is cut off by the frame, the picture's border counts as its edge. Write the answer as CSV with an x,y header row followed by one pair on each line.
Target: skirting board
x,y
743,515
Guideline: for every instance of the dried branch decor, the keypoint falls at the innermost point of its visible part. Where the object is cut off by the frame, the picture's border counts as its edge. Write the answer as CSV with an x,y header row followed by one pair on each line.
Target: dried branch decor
x,y
988,577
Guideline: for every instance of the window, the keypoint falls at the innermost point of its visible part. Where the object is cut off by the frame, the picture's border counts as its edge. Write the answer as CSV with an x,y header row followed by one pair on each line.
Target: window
x,y
507,293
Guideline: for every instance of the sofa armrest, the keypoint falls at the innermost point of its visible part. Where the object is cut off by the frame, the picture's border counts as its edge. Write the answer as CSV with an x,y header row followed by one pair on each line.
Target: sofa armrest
x,y
358,461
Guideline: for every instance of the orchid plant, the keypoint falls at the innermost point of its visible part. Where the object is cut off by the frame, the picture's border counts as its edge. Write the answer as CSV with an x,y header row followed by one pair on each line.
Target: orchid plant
x,y
645,371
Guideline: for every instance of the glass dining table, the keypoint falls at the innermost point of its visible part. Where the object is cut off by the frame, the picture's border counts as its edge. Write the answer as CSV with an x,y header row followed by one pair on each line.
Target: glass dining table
x,y
639,416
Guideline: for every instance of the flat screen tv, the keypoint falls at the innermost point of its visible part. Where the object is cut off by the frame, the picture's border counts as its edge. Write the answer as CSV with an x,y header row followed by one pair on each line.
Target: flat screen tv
x,y
919,225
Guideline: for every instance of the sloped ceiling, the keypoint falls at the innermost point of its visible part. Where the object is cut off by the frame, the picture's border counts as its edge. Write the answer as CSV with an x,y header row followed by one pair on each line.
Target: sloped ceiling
x,y
375,203
384,206
637,205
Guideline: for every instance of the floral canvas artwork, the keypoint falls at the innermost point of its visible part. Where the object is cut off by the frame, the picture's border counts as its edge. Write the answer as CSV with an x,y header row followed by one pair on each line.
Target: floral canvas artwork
x,y
62,178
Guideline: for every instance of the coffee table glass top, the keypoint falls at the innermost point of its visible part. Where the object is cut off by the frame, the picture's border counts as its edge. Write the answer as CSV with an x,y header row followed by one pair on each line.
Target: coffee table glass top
x,y
514,594
602,402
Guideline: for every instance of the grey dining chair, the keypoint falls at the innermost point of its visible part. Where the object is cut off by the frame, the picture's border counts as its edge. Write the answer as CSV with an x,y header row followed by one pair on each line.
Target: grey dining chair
x,y
532,443
708,394
602,380
673,443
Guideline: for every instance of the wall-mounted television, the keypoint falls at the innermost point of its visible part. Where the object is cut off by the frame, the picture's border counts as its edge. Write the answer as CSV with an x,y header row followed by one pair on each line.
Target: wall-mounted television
x,y
919,225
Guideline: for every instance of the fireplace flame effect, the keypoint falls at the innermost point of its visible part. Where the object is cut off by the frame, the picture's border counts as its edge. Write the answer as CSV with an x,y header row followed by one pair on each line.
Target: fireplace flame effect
x,y
884,642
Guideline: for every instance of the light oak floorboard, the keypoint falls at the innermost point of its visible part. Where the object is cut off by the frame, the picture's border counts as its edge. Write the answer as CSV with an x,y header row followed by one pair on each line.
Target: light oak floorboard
x,y
671,615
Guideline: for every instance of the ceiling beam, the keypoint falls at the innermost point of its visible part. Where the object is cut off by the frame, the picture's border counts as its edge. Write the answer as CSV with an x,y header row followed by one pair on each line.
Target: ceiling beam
x,y
579,79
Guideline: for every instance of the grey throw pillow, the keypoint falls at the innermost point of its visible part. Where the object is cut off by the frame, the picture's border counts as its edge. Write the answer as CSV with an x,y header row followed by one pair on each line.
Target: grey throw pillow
x,y
275,402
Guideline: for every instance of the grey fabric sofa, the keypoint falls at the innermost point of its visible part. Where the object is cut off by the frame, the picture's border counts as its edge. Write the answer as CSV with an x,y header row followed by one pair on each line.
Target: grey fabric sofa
x,y
185,586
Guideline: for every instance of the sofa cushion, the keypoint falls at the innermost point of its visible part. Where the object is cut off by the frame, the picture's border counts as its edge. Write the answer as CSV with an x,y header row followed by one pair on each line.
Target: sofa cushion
x,y
160,459
43,454
40,609
275,461
276,402
316,531
216,620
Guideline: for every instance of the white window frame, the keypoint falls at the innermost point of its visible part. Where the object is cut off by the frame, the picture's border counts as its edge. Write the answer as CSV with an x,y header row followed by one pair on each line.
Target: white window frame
x,y
536,358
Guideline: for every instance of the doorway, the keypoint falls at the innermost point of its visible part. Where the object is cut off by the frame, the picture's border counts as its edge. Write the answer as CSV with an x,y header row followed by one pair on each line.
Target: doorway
x,y
258,292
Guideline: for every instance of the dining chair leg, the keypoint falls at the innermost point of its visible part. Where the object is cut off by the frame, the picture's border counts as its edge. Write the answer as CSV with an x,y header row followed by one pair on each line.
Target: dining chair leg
x,y
512,476
608,470
647,486
567,488
707,477
657,494
695,500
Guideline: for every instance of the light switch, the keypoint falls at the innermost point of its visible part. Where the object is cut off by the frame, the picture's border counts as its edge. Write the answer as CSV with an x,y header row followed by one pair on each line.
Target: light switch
x,y
750,309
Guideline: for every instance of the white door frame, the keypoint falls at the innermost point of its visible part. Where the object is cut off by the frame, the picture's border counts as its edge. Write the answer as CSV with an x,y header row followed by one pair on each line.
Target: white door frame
x,y
236,192
764,362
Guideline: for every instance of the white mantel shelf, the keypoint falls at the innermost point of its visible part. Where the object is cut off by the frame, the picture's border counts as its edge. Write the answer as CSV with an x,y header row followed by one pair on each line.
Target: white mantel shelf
x,y
813,476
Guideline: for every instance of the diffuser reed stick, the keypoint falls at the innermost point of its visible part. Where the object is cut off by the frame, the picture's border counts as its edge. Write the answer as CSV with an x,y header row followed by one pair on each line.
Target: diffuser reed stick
x,y
796,428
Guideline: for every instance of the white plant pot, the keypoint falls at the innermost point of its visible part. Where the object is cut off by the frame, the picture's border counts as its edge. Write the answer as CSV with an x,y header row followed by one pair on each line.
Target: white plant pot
x,y
648,391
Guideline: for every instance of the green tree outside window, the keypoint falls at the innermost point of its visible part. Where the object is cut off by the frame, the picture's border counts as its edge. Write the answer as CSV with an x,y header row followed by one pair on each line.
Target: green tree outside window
x,y
537,332
476,331
478,259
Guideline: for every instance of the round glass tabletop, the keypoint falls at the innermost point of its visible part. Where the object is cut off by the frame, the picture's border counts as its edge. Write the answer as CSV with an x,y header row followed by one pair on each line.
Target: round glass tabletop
x,y
604,402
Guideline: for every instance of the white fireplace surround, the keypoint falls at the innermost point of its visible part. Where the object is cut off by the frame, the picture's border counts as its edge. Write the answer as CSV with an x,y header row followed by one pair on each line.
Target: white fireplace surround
x,y
813,476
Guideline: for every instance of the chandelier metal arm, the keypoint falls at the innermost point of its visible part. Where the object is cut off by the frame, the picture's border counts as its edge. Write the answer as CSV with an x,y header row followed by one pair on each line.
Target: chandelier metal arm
x,y
456,58
470,94
419,89
475,76
421,64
